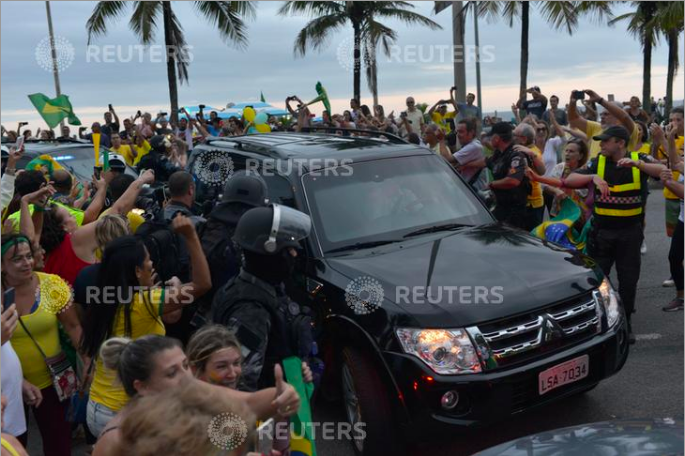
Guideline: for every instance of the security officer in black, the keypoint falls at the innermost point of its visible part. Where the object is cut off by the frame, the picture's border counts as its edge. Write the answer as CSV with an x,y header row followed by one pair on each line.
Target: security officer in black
x,y
269,326
620,179
510,184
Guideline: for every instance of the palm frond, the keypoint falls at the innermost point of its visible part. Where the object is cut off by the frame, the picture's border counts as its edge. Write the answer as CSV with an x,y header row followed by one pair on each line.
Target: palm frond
x,y
311,8
317,32
227,17
374,33
408,17
371,68
597,12
103,13
144,20
560,14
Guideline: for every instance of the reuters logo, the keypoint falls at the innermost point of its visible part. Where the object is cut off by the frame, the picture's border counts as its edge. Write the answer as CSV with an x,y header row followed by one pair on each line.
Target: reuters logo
x,y
227,431
364,295
64,52
213,168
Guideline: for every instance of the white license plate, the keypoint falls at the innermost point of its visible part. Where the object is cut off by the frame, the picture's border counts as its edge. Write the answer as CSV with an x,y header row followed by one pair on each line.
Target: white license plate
x,y
563,374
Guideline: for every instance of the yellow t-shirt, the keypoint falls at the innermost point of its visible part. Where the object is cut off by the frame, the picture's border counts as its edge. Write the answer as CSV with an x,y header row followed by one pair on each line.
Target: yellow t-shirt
x,y
645,149
441,120
141,151
662,155
535,199
145,319
595,128
125,151
55,296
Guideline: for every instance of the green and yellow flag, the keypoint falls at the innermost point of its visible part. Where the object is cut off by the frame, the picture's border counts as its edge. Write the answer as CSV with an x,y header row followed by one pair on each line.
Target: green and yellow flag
x,y
302,438
54,110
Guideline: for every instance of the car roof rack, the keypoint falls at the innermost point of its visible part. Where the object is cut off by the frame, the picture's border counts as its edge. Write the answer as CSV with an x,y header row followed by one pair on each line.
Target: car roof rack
x,y
365,134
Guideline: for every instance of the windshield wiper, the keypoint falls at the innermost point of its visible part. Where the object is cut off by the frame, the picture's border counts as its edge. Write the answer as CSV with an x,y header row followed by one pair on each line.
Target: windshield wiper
x,y
364,245
436,228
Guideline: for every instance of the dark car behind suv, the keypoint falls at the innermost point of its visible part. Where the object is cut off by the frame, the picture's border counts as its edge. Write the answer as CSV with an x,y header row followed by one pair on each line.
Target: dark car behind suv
x,y
431,316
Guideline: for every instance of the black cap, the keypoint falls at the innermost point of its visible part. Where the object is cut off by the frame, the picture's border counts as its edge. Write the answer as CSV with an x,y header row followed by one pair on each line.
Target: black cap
x,y
614,132
503,129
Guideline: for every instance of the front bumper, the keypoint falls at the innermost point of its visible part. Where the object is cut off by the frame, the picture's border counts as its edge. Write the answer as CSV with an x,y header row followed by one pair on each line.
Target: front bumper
x,y
492,396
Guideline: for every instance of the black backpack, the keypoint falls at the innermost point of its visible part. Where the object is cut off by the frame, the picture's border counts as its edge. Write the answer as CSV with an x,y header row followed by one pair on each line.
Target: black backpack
x,y
167,249
223,257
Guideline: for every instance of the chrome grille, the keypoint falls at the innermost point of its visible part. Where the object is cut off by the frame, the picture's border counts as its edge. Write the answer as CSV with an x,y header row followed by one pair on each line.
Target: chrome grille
x,y
525,336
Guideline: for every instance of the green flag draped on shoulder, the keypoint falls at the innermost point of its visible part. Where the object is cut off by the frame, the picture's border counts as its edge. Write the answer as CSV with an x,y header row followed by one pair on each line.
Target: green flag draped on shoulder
x,y
302,438
54,110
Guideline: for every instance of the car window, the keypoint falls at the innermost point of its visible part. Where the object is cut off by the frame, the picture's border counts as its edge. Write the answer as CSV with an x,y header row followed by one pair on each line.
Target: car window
x,y
385,199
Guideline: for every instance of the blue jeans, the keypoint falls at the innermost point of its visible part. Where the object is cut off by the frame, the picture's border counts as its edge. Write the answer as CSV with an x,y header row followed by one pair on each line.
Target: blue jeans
x,y
98,416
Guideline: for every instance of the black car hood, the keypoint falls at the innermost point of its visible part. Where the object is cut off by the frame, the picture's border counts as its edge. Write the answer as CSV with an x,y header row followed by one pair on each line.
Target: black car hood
x,y
621,437
530,272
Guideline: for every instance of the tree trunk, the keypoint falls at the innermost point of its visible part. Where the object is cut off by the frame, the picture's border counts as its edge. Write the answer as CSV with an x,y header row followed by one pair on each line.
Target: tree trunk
x,y
170,63
525,16
672,62
647,75
357,61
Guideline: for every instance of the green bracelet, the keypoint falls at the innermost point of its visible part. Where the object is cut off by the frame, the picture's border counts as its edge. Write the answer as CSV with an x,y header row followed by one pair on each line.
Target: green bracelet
x,y
38,208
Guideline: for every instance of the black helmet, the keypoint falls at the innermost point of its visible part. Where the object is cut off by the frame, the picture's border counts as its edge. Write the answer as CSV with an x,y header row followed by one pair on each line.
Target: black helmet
x,y
268,230
160,143
249,189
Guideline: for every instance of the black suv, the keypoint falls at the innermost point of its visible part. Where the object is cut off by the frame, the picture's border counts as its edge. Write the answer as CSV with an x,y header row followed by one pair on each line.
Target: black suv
x,y
397,237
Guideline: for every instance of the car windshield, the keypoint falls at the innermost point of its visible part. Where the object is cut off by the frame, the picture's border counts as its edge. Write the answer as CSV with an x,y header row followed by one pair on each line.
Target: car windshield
x,y
385,200
81,162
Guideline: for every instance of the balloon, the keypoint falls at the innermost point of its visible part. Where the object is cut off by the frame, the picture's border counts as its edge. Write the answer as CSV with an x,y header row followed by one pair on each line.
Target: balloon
x,y
261,118
263,128
249,114
252,130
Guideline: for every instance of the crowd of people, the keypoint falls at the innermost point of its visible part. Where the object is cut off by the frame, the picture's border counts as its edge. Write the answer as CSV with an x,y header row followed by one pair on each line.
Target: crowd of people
x,y
198,320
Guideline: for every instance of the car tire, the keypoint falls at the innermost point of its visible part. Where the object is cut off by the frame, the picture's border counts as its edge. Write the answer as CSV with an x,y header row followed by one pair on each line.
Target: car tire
x,y
366,401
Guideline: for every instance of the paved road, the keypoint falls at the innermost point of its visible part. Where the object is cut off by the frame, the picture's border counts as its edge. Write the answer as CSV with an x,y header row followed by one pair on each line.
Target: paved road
x,y
650,384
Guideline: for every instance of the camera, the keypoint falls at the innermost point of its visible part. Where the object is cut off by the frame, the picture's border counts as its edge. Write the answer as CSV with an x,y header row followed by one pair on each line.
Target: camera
x,y
201,106
578,95
403,115
163,114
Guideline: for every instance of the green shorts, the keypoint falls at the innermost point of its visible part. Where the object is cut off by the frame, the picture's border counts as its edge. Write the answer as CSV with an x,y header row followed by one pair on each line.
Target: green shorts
x,y
672,212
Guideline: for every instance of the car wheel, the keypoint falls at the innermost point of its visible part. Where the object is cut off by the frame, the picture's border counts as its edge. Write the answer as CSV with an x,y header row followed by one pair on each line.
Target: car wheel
x,y
367,406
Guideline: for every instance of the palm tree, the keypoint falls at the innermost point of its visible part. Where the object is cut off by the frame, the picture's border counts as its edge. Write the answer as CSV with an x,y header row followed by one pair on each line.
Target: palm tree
x,y
560,15
227,17
670,20
643,24
328,17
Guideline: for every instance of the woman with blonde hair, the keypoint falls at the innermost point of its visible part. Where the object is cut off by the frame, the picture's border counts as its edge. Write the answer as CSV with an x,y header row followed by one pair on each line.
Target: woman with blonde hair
x,y
152,369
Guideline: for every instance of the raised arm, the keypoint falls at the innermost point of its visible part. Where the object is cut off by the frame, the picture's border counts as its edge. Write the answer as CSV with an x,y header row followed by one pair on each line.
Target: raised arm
x,y
181,294
32,225
616,111
98,202
555,124
575,120
289,108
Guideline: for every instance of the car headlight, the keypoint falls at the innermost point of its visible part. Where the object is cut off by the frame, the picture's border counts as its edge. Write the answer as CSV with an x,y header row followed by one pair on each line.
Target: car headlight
x,y
446,351
609,299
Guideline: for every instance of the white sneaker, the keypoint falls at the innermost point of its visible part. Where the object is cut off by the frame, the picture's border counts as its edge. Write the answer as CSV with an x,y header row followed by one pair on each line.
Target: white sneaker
x,y
668,283
643,248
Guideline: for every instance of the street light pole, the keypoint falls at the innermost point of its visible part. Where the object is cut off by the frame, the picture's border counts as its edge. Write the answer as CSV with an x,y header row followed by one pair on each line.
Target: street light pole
x,y
458,52
53,52
475,29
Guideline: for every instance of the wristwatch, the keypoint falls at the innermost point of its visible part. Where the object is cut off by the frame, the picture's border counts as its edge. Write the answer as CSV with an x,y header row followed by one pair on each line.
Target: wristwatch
x,y
10,171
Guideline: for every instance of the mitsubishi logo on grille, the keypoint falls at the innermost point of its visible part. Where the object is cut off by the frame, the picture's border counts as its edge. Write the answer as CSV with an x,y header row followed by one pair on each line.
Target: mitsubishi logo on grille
x,y
551,329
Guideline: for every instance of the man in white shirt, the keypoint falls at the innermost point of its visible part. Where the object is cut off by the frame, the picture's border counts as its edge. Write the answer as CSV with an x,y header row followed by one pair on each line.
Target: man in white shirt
x,y
470,153
414,117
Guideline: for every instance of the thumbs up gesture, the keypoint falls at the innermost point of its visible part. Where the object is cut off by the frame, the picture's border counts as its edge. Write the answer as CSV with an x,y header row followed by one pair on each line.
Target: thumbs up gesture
x,y
287,401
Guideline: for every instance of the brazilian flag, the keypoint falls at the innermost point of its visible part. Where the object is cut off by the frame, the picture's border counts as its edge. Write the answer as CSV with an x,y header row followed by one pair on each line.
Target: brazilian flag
x,y
302,439
560,229
54,110
261,97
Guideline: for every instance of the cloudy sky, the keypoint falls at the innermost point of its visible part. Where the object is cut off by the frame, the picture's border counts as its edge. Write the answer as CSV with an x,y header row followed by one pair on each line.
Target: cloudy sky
x,y
604,58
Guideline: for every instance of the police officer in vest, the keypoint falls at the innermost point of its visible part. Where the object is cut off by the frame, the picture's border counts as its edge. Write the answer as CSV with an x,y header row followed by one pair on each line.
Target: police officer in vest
x,y
269,326
620,181
510,184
